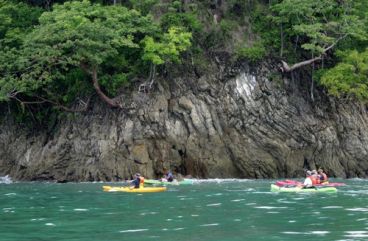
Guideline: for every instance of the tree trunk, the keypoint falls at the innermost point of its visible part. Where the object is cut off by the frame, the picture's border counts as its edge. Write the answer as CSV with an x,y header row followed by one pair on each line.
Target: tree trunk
x,y
96,85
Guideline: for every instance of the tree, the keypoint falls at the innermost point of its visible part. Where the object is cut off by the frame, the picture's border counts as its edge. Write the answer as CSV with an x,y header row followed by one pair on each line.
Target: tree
x,y
16,21
167,49
105,42
316,26
349,77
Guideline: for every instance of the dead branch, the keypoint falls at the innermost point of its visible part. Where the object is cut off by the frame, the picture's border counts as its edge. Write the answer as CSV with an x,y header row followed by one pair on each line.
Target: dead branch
x,y
84,104
286,68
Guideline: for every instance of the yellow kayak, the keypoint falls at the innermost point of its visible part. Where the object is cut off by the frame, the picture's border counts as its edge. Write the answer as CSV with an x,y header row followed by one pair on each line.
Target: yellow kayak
x,y
129,189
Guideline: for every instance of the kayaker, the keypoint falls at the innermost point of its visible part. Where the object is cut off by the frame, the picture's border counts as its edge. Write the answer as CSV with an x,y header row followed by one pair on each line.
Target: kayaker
x,y
322,176
169,176
141,181
314,177
137,180
308,180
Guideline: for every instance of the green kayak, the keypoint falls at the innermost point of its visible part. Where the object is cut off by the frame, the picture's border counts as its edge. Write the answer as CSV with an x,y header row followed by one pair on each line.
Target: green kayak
x,y
175,182
275,188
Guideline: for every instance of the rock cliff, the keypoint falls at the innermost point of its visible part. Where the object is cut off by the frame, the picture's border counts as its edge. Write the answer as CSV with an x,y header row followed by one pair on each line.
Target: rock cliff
x,y
233,122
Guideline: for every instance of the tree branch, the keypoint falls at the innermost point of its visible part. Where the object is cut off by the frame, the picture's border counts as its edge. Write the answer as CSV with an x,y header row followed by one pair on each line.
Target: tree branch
x,y
105,98
54,103
93,72
286,68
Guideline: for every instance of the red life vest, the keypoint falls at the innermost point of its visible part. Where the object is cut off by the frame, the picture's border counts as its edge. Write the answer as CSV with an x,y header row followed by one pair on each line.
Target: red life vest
x,y
314,180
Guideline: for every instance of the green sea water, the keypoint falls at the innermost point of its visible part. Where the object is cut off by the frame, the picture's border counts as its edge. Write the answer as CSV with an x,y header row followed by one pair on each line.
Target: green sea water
x,y
208,210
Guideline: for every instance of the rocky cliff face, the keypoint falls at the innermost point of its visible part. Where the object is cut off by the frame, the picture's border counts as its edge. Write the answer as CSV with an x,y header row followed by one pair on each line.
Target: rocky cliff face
x,y
232,123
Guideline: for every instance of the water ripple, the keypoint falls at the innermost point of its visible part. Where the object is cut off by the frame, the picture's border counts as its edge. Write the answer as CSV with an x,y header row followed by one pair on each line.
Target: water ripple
x,y
357,209
217,180
321,233
177,229
133,230
10,194
332,207
356,234
209,224
213,204
269,207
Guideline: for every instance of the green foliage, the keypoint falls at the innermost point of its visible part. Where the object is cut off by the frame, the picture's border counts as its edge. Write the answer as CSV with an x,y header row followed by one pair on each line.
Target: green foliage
x,y
240,9
77,48
302,29
169,48
177,15
76,35
349,77
16,20
307,20
266,29
144,6
227,26
299,28
254,53
188,21
75,83
53,55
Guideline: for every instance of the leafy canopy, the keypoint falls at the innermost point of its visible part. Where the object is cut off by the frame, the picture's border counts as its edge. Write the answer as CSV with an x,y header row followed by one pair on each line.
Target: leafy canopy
x,y
16,20
78,40
169,48
315,25
349,77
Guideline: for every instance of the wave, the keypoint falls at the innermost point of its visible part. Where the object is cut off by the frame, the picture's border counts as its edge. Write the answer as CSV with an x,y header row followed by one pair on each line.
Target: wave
x,y
6,180
218,180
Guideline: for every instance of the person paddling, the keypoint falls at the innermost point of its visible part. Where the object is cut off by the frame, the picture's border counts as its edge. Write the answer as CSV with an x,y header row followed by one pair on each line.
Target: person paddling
x,y
138,181
169,176
322,176
314,177
308,180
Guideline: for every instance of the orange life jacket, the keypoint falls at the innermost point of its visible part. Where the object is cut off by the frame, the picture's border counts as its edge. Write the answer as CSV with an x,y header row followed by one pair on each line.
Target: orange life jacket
x,y
141,180
314,180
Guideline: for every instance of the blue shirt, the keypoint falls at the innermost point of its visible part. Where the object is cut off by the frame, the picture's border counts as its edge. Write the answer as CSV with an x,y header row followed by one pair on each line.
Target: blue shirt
x,y
136,182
